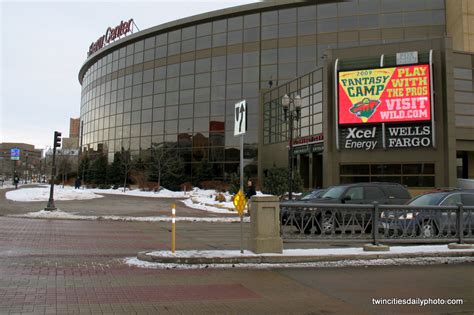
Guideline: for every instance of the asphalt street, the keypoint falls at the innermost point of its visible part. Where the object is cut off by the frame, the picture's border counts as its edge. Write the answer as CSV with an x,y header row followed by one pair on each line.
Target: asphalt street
x,y
75,267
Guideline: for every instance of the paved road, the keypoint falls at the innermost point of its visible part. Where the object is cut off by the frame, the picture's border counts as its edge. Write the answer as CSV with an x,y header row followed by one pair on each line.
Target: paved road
x,y
62,266
108,205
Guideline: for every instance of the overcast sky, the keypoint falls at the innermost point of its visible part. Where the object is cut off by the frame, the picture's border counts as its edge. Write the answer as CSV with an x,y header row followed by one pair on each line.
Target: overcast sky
x,y
44,44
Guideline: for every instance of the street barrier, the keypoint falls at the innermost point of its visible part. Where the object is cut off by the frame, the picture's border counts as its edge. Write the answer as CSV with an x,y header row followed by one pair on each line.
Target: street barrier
x,y
394,223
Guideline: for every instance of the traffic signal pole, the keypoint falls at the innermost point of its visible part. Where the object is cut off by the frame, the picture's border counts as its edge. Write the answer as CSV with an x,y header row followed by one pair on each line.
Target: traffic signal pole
x,y
57,142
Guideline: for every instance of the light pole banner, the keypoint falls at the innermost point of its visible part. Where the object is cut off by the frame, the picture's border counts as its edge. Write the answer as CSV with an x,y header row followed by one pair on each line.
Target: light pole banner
x,y
397,94
15,154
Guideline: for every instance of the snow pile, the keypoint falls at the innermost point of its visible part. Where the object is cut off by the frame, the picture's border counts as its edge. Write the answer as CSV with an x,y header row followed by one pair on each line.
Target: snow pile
x,y
42,194
58,214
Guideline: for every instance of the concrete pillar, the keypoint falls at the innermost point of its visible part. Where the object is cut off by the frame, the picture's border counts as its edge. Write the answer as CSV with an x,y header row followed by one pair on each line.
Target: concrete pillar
x,y
265,225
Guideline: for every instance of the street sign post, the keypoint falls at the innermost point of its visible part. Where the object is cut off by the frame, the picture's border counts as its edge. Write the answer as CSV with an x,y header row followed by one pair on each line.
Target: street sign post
x,y
240,127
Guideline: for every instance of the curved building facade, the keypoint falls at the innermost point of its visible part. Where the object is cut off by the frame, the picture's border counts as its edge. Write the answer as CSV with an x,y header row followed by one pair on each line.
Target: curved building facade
x,y
177,83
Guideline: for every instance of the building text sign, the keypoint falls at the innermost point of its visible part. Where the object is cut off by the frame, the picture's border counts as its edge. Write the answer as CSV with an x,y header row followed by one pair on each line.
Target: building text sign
x,y
15,154
110,35
398,94
396,136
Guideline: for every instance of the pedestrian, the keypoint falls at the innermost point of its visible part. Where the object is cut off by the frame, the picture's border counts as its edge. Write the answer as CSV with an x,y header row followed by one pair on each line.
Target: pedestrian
x,y
250,191
2,180
16,180
77,183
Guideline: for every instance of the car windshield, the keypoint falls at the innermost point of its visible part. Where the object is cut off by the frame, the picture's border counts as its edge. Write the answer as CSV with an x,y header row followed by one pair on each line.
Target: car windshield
x,y
313,195
334,192
427,200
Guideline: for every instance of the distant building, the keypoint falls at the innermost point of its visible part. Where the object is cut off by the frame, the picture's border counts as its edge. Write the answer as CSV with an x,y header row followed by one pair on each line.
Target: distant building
x,y
74,127
29,162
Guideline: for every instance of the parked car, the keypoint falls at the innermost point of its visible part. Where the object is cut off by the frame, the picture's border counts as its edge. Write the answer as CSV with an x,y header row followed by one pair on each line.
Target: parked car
x,y
358,193
312,196
429,220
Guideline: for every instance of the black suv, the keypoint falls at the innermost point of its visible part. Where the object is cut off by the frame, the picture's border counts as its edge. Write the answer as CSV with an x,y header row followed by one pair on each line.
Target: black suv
x,y
366,193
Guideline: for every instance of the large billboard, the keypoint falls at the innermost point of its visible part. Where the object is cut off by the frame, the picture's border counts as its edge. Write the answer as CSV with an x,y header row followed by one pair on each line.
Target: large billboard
x,y
382,95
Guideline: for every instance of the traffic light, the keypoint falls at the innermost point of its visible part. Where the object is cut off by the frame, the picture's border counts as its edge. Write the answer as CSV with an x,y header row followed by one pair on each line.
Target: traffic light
x,y
57,139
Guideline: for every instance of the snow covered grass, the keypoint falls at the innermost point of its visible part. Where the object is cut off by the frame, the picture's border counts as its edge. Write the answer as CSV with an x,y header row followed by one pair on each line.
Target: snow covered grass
x,y
135,262
202,199
58,214
42,194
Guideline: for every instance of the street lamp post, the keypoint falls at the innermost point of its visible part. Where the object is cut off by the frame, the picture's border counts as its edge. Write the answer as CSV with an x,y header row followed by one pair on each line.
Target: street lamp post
x,y
291,114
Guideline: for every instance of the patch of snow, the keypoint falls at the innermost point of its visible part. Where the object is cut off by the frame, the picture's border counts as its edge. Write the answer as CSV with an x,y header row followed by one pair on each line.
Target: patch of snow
x,y
135,262
309,252
42,194
58,214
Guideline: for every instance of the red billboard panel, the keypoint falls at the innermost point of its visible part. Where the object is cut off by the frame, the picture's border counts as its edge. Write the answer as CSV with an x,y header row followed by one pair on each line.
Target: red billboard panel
x,y
398,94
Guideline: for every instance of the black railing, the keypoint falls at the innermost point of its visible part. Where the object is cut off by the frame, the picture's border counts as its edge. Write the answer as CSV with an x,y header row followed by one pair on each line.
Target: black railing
x,y
394,223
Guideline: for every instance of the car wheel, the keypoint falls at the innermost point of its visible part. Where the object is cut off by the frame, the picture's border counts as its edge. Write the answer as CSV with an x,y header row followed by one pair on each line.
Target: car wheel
x,y
427,230
327,224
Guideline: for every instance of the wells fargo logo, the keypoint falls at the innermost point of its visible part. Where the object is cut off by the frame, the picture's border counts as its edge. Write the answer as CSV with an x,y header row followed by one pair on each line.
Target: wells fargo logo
x,y
384,95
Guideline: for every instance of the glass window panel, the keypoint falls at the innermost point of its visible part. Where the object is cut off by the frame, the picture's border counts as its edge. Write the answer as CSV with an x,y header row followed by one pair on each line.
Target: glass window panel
x,y
348,23
218,78
326,10
217,108
160,52
234,37
186,96
158,114
234,91
287,70
159,86
327,26
160,73
416,18
185,126
437,17
219,39
203,80
171,126
172,98
307,13
204,29
391,20
171,112
202,94
269,32
235,23
251,20
187,82
269,18
250,74
201,124
391,5
369,6
172,70
307,27
136,117
146,116
234,76
172,84
159,100
203,65
286,54
147,89
234,61
287,30
460,73
251,34
188,45
268,72
369,21
150,43
186,111
188,32
139,46
138,58
250,59
174,36
218,92
203,42
218,63
219,26
147,102
187,67
148,75
269,56
201,109
174,48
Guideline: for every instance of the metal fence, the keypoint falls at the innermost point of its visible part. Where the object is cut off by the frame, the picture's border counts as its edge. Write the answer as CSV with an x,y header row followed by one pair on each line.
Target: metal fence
x,y
394,223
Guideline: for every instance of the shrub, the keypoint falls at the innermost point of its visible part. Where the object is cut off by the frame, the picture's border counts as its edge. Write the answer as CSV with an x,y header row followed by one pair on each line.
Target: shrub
x,y
104,186
276,182
220,198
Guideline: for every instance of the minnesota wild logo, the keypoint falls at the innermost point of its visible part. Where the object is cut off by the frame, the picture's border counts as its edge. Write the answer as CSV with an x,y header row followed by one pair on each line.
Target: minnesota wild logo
x,y
365,108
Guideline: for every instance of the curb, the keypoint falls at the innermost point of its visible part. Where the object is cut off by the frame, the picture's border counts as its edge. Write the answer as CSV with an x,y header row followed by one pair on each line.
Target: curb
x,y
269,259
